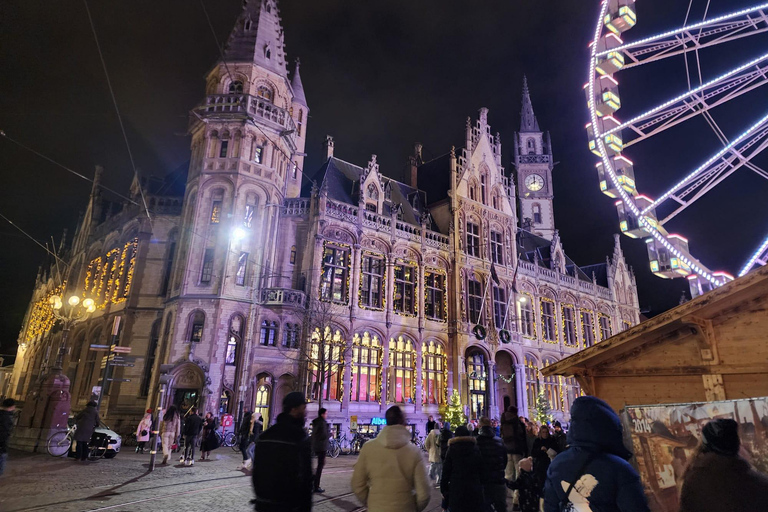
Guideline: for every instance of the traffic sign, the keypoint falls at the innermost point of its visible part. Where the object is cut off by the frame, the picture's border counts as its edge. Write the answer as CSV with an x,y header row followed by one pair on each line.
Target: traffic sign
x,y
119,380
99,347
128,365
121,350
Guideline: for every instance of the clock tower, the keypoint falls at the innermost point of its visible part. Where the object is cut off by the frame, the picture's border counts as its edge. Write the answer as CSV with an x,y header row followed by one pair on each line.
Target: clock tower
x,y
533,161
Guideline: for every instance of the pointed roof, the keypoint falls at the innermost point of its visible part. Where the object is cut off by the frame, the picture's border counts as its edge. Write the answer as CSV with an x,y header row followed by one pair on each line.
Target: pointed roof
x,y
528,122
298,88
258,37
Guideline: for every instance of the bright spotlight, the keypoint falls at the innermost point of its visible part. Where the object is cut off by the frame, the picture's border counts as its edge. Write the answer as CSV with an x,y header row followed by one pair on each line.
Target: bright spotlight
x,y
238,234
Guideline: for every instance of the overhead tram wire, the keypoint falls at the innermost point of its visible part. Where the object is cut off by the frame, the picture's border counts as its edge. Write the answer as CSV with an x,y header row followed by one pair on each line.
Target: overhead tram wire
x,y
46,249
117,109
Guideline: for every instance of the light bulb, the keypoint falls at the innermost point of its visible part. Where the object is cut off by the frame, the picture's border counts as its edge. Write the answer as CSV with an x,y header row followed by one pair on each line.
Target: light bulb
x,y
87,303
74,300
238,234
54,299
91,308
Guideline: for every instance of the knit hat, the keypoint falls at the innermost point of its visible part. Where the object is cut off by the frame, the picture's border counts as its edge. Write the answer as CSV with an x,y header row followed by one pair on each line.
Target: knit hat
x,y
721,436
292,400
526,464
149,411
462,431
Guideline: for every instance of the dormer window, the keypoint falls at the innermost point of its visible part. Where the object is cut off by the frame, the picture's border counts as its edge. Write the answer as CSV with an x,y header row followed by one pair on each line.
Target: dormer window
x,y
264,92
236,87
388,192
247,25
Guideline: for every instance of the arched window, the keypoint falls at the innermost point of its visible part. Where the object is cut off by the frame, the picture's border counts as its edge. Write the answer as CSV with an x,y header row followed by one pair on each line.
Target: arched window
x,y
433,369
536,214
373,192
531,145
236,87
300,123
171,244
261,403
233,340
477,384
531,379
268,333
291,339
224,401
483,186
149,361
87,382
264,92
402,361
527,318
196,324
247,25
366,368
552,387
326,364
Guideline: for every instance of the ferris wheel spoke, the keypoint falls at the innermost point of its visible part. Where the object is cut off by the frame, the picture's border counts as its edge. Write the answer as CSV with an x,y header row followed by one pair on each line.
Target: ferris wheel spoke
x,y
735,154
718,30
734,83
759,257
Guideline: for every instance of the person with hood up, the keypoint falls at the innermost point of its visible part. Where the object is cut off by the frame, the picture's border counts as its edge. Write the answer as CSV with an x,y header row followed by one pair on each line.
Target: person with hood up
x,y
320,435
593,474
282,479
462,482
513,436
494,462
432,445
389,475
718,478
143,431
86,421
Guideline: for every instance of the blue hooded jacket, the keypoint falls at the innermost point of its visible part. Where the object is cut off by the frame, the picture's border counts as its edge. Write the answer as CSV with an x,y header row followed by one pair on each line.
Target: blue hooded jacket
x,y
608,483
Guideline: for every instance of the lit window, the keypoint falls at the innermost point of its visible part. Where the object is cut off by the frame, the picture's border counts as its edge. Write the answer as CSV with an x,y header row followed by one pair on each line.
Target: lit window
x,y
248,217
216,212
527,321
207,270
258,152
263,91
236,87
366,368
477,384
434,299
499,306
548,330
405,289
268,333
531,380
473,239
433,373
231,357
587,329
327,370
474,300
497,248
196,330
242,264
333,284
605,327
569,327
372,285
402,358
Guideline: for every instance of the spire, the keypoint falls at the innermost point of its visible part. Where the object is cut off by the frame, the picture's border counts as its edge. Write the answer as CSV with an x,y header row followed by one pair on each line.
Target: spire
x,y
528,122
298,89
258,37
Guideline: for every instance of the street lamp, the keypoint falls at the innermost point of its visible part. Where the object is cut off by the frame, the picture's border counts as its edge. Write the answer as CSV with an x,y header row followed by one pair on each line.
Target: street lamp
x,y
69,314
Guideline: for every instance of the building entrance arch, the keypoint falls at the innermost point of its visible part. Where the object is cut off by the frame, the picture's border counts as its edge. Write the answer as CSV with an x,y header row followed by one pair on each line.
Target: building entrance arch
x,y
186,387
506,383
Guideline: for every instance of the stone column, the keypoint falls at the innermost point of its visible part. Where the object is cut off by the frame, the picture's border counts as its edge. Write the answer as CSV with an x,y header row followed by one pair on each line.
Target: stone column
x,y
384,376
418,395
347,379
354,281
520,393
491,386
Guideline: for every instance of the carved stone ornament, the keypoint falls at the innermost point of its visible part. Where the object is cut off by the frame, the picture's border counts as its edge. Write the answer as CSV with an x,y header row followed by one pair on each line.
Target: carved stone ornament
x,y
188,379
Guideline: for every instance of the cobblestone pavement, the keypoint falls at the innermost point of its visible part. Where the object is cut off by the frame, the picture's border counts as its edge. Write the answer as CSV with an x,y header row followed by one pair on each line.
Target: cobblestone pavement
x,y
123,484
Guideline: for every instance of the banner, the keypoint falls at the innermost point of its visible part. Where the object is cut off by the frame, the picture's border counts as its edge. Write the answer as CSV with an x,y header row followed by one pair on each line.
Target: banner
x,y
665,437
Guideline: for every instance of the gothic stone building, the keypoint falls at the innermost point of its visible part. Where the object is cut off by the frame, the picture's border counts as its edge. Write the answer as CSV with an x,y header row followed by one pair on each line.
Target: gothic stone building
x,y
452,279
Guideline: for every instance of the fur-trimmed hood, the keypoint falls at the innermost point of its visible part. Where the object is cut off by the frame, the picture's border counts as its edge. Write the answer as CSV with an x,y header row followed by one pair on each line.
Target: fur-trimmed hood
x,y
462,439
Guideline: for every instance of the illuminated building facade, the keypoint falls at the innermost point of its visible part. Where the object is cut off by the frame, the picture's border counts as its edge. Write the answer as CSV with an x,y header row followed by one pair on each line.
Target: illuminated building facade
x,y
432,283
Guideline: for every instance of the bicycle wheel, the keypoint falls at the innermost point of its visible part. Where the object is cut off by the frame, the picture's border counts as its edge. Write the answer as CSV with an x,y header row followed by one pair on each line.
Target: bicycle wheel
x,y
59,443
236,443
230,439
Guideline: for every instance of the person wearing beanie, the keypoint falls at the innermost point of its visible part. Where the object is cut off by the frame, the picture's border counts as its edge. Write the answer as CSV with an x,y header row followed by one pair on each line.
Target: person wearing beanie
x,y
559,436
528,488
718,479
282,477
462,481
389,475
494,462
595,463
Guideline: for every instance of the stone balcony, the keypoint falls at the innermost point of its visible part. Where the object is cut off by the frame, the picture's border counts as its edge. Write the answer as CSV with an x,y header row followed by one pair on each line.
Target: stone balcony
x,y
244,104
282,297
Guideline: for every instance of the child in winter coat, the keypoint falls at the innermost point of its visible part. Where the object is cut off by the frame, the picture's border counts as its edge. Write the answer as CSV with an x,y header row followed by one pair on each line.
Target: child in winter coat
x,y
143,431
528,486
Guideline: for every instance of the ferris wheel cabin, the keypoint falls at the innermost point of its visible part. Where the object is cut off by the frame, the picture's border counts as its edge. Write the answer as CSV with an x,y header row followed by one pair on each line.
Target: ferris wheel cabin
x,y
620,16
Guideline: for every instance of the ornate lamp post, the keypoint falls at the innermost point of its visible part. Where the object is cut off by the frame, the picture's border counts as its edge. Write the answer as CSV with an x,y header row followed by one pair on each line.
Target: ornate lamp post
x,y
46,407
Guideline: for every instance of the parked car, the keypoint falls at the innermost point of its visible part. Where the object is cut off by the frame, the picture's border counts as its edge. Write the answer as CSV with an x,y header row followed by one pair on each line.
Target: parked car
x,y
105,442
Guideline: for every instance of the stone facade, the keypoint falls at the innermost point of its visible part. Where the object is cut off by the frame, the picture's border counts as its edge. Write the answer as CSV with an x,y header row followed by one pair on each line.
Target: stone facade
x,y
410,290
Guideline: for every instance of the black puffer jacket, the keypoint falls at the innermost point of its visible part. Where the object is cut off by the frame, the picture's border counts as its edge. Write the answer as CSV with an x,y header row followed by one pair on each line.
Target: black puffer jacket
x,y
461,482
494,456
319,435
282,479
445,436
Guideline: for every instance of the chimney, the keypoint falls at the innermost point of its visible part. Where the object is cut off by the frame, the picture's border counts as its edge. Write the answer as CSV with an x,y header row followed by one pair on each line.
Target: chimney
x,y
328,145
413,165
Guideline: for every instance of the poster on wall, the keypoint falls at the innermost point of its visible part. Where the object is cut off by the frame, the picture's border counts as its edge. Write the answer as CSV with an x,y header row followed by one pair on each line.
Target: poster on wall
x,y
665,437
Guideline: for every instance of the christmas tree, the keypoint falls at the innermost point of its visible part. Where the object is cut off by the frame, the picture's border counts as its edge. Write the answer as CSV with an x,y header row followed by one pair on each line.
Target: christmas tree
x,y
541,408
453,411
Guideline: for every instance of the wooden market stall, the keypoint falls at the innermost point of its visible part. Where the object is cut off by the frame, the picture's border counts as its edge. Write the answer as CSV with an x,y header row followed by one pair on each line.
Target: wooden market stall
x,y
714,347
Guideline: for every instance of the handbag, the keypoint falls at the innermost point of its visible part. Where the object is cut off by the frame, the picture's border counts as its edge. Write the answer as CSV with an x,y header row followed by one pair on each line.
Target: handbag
x,y
144,433
565,504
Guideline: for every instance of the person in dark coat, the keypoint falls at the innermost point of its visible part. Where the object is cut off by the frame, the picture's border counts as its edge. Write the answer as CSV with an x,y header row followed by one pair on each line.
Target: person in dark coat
x,y
87,420
513,436
193,424
559,437
282,478
430,425
6,427
607,482
445,436
544,450
209,441
494,462
462,481
320,437
527,487
717,478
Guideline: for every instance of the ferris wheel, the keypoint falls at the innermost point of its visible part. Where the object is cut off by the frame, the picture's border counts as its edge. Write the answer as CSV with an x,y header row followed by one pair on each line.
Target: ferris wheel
x,y
668,253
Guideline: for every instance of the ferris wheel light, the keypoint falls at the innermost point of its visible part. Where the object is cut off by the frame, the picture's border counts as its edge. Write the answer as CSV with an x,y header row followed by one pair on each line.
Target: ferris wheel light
x,y
753,259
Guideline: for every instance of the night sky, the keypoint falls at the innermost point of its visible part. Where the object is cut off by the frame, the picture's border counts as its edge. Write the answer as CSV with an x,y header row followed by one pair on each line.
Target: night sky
x,y
378,77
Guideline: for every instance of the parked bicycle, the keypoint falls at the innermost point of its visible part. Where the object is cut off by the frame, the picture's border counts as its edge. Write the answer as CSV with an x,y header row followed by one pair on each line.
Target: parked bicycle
x,y
418,440
100,445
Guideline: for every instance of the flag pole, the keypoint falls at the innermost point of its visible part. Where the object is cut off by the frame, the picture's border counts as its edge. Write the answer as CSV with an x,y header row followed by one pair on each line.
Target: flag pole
x,y
514,291
482,305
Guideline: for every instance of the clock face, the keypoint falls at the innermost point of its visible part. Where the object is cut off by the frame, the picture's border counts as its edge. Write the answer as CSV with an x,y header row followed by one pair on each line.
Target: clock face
x,y
534,182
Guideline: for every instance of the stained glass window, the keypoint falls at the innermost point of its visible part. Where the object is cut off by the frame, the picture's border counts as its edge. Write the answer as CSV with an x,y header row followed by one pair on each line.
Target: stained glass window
x,y
366,368
433,373
402,359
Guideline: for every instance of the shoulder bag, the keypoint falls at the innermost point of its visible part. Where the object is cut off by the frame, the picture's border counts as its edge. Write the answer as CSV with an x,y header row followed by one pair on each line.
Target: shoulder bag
x,y
565,504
